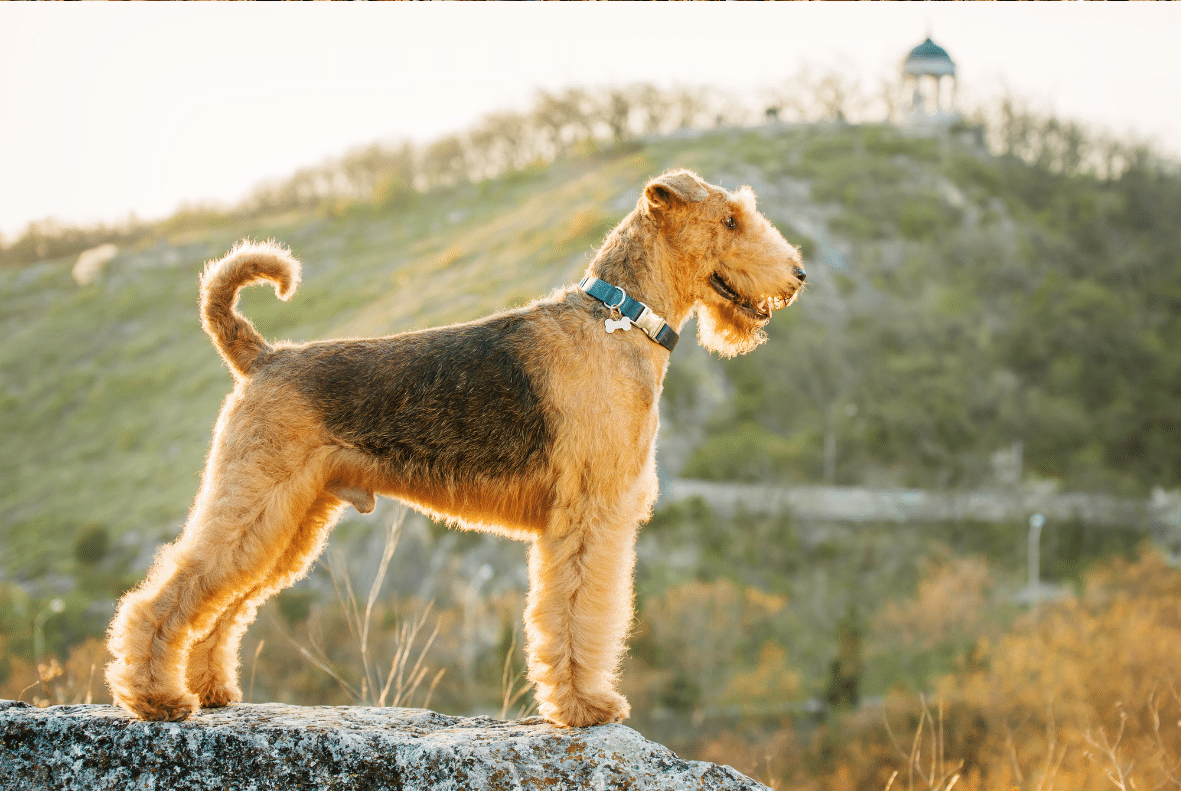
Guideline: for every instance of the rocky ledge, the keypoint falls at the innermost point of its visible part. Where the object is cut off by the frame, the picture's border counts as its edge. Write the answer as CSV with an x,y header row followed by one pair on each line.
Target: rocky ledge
x,y
272,746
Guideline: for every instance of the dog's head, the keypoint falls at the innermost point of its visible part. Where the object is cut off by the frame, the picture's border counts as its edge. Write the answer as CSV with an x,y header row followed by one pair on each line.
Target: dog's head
x,y
731,266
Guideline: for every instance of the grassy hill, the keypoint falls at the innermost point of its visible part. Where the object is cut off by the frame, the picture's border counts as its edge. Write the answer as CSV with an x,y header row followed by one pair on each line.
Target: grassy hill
x,y
957,302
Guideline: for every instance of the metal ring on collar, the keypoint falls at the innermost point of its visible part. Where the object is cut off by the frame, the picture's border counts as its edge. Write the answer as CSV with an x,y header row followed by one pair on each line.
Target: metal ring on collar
x,y
622,299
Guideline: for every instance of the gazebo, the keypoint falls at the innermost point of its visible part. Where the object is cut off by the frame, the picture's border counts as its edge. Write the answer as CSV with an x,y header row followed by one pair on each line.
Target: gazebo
x,y
928,84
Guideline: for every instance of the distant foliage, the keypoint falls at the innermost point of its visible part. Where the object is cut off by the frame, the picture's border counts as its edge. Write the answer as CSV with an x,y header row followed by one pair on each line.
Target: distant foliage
x,y
581,119
558,123
1081,692
963,303
1060,146
1078,693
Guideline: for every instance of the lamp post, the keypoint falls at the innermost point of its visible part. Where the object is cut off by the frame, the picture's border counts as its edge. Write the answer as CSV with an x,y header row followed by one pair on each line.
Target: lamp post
x,y
53,608
1033,557
830,442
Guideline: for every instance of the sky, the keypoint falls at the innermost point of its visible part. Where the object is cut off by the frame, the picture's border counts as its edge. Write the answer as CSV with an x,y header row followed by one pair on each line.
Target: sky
x,y
108,109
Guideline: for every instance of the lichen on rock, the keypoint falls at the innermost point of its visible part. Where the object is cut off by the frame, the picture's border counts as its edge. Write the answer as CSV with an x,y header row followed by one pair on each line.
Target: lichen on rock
x,y
258,747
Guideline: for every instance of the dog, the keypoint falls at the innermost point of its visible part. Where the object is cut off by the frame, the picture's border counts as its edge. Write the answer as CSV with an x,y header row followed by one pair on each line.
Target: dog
x,y
537,424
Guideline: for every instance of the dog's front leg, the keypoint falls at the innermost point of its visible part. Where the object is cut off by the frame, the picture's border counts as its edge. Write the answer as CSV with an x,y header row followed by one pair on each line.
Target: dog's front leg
x,y
580,606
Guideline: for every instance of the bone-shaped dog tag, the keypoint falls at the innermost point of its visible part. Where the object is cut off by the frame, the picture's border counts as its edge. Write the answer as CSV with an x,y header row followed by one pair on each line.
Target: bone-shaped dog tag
x,y
622,323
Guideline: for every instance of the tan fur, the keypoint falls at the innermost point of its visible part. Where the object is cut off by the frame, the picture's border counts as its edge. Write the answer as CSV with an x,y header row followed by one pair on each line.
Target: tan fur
x,y
281,468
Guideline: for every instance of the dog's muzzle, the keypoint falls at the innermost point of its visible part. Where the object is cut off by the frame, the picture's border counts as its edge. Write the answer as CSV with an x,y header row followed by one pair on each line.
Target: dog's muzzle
x,y
760,309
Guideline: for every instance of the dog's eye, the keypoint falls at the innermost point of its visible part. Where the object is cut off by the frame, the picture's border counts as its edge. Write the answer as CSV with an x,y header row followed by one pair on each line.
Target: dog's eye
x,y
731,223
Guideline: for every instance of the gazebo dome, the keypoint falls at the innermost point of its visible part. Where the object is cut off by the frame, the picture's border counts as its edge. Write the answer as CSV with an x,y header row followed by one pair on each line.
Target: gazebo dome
x,y
928,86
929,58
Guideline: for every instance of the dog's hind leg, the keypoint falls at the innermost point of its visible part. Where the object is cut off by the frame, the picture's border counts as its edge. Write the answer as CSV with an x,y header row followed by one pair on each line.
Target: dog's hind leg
x,y
212,666
580,606
245,517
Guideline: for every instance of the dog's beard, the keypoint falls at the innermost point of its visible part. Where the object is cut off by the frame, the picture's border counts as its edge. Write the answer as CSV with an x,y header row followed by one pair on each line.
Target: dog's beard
x,y
725,328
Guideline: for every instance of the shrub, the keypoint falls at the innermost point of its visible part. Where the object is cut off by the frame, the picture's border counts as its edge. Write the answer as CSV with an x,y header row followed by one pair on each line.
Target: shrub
x,y
90,546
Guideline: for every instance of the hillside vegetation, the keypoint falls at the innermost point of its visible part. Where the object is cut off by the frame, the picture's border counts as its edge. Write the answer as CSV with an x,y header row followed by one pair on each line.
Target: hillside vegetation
x,y
960,304
956,303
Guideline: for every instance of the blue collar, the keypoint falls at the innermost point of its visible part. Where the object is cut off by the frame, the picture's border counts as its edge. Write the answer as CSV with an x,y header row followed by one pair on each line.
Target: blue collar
x,y
635,311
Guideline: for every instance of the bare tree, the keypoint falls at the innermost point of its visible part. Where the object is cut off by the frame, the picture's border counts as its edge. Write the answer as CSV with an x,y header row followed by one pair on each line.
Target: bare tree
x,y
652,107
562,119
689,107
502,141
615,109
444,162
839,96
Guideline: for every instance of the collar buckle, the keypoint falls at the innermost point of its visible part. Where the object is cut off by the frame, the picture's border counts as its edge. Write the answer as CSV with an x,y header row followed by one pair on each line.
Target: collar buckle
x,y
649,322
642,316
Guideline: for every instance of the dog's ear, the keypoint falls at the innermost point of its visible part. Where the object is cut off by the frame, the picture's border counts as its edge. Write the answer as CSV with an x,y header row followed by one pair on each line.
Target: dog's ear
x,y
673,189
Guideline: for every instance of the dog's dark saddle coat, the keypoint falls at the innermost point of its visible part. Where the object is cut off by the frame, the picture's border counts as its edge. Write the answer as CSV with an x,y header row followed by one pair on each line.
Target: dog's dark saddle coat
x,y
435,404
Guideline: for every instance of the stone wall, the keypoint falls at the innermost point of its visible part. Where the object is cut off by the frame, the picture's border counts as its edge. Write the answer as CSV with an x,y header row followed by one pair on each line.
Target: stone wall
x,y
1161,513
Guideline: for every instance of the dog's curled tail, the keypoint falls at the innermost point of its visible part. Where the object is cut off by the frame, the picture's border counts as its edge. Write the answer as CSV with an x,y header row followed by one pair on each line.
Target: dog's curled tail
x,y
246,264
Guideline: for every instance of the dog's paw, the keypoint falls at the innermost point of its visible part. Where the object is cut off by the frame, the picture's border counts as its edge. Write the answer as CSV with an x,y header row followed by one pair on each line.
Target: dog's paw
x,y
214,696
212,689
579,710
161,708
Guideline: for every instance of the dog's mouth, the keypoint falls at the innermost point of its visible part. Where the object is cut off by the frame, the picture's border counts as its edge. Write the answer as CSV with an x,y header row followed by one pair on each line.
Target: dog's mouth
x,y
760,309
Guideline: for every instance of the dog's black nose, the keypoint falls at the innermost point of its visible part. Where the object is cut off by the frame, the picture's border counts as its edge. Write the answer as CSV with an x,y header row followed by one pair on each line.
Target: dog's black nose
x,y
800,273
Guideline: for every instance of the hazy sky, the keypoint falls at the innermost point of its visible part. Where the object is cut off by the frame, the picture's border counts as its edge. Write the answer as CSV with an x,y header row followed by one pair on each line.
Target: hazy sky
x,y
107,109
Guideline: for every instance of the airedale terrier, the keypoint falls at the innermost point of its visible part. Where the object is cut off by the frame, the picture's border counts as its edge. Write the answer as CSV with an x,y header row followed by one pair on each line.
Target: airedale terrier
x,y
537,423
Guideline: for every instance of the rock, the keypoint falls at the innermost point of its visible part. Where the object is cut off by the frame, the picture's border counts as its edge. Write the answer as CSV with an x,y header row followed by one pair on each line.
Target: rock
x,y
273,746
92,262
